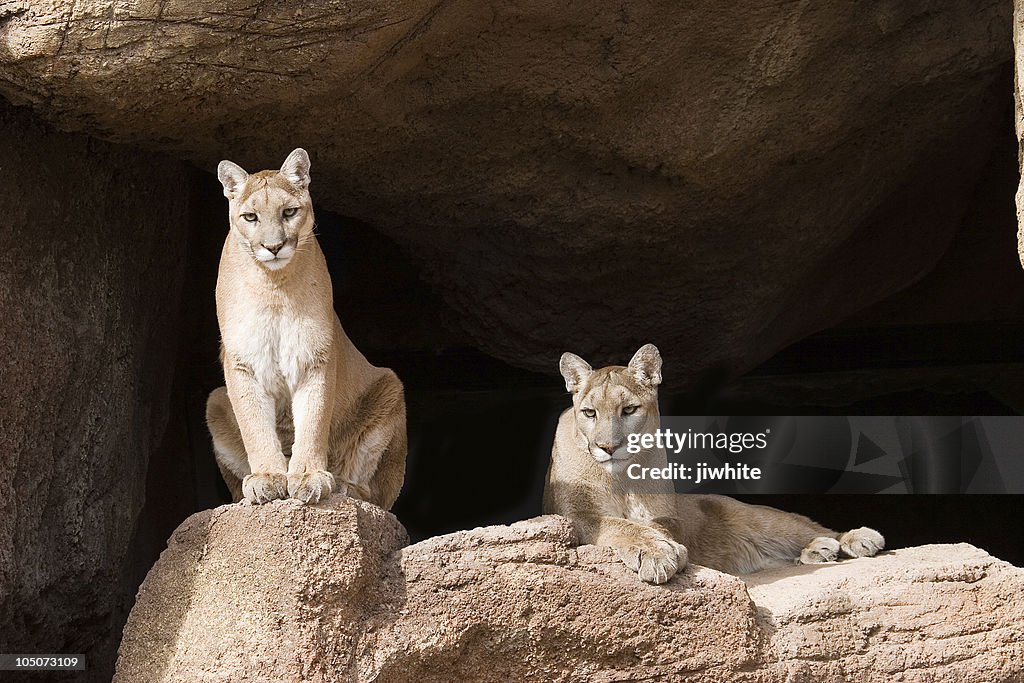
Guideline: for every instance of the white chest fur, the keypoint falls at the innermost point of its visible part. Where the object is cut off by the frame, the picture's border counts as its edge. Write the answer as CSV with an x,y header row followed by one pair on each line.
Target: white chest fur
x,y
278,343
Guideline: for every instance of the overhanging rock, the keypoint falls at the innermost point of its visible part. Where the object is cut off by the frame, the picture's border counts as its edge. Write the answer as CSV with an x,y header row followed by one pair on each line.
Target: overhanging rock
x,y
721,179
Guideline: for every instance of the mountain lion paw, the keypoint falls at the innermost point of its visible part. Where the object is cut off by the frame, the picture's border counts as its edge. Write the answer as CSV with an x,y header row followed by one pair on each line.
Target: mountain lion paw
x,y
655,560
312,486
820,550
264,487
862,542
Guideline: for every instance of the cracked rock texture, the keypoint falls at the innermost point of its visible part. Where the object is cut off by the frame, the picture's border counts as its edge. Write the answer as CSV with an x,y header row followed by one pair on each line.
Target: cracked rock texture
x,y
718,178
327,593
90,272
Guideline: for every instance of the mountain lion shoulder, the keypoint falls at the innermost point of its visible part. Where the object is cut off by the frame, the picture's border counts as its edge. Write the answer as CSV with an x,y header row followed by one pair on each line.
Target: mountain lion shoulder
x,y
656,531
302,413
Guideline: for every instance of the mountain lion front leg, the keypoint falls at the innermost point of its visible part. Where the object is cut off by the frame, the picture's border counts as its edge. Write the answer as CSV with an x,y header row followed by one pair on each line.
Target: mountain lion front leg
x,y
309,479
650,551
255,412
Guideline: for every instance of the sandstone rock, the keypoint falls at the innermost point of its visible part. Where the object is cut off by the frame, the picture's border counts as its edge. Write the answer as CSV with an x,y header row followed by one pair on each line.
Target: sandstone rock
x,y
326,593
520,603
929,613
90,268
270,593
718,178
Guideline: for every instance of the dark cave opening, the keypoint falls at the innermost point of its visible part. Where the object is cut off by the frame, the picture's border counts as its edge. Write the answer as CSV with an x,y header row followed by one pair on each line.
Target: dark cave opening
x,y
480,429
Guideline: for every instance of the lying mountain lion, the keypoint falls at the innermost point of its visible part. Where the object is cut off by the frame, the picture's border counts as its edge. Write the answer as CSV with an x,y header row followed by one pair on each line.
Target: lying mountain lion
x,y
303,413
655,530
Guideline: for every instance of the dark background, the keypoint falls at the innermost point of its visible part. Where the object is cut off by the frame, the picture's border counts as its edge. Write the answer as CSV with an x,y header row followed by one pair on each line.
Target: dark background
x,y
480,431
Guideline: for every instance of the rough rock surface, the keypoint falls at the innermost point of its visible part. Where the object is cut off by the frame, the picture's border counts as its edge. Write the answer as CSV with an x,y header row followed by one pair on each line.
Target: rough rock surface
x,y
1018,101
326,593
89,277
271,593
928,613
718,178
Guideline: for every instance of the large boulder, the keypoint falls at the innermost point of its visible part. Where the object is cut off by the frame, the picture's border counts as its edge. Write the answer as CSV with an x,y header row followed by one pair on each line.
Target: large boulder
x,y
928,613
271,593
91,264
326,593
718,178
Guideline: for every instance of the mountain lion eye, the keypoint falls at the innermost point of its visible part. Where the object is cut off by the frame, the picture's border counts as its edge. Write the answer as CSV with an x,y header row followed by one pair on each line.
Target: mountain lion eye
x,y
251,217
629,410
590,412
290,211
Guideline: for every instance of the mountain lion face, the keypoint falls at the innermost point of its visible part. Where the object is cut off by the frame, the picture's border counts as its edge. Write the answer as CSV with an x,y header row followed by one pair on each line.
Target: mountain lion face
x,y
611,403
270,212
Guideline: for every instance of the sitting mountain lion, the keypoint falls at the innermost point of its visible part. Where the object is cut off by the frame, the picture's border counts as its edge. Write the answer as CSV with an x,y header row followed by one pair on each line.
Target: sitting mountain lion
x,y
303,413
655,530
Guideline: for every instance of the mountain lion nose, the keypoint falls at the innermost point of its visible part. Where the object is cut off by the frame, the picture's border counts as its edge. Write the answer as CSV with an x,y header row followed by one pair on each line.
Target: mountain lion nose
x,y
607,448
273,248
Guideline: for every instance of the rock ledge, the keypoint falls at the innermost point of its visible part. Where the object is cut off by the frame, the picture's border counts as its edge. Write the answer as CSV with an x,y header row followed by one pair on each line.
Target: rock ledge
x,y
328,593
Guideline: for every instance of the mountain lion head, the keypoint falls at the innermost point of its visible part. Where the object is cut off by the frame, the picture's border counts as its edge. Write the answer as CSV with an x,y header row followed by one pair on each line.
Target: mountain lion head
x,y
270,212
611,403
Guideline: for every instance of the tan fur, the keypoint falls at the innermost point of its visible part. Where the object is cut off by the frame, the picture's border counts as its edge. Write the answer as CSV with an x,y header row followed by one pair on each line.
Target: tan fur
x,y
303,413
655,530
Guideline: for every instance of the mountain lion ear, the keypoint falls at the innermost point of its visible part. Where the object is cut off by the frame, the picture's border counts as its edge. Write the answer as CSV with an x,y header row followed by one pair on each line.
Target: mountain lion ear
x,y
646,365
575,370
296,168
232,177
